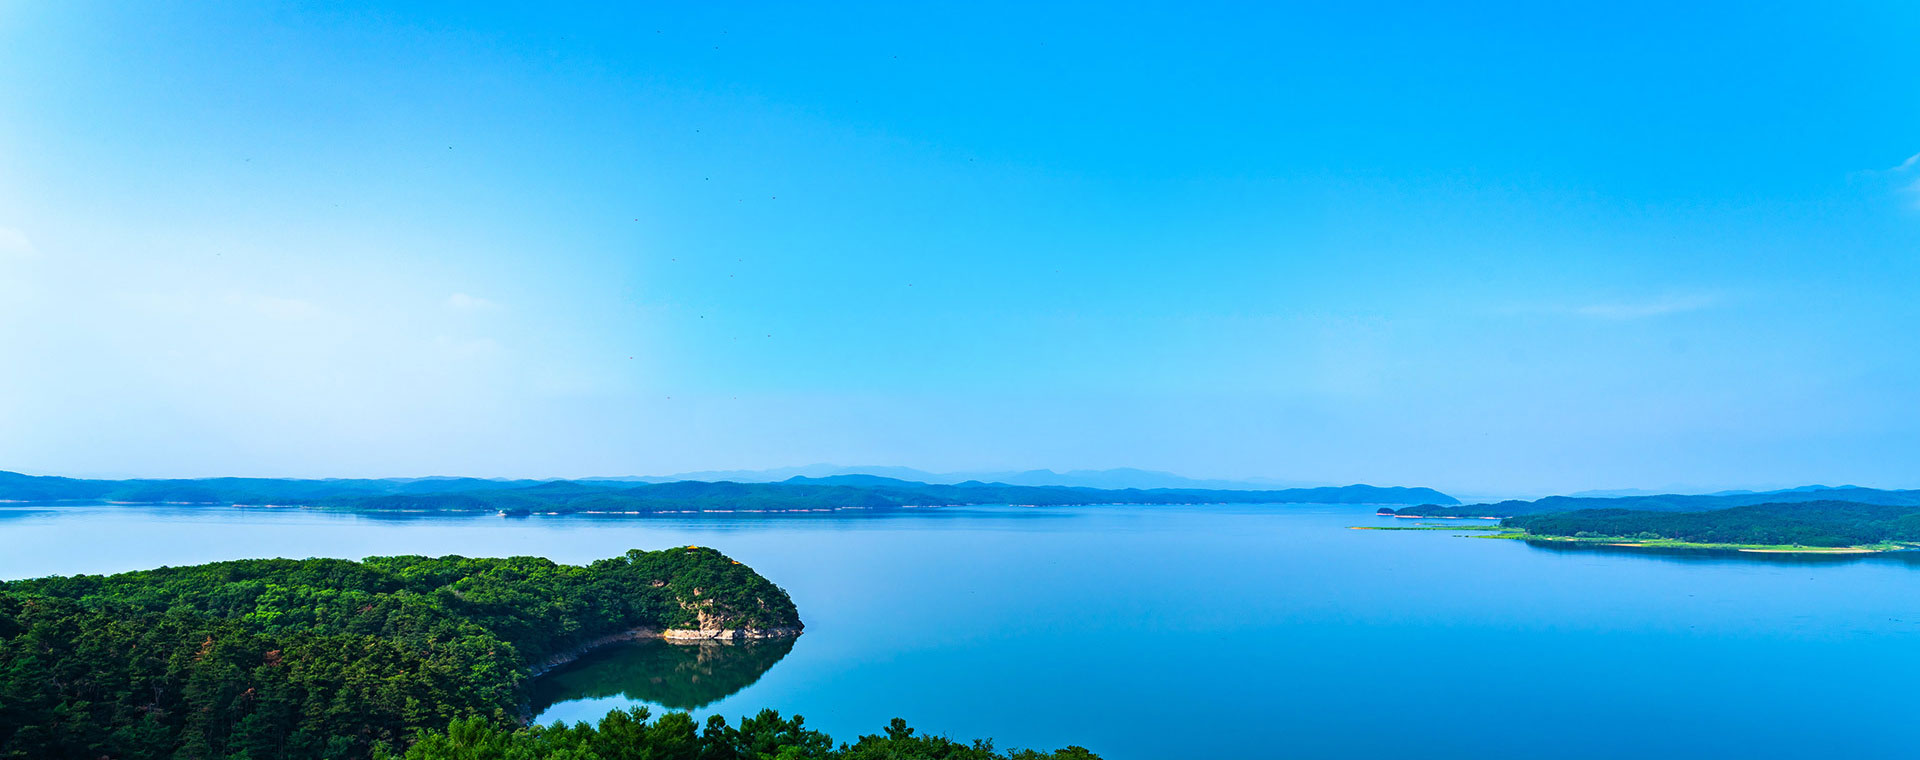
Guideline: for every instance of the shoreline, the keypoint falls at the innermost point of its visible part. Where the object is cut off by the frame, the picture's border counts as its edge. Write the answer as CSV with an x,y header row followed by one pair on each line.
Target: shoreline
x,y
676,635
1625,542
680,636
1629,543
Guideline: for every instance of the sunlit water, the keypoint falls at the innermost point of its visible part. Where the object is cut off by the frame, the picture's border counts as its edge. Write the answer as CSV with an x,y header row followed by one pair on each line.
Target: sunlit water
x,y
1164,632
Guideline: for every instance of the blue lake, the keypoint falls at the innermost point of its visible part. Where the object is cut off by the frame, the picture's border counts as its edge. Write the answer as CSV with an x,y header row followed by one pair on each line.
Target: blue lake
x,y
1158,632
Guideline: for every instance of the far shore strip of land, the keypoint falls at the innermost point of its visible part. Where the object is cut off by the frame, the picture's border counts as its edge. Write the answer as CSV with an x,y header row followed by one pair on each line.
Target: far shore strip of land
x,y
1494,531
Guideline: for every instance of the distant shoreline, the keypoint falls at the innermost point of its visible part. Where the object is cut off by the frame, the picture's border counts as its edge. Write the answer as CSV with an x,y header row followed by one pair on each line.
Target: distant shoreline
x,y
487,511
515,498
1631,542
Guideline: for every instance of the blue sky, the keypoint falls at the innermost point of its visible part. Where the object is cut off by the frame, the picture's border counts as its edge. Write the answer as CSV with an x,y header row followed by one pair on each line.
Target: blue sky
x,y
1497,248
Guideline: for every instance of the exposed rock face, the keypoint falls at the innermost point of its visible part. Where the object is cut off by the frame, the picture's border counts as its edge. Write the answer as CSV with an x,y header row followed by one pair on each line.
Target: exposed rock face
x,y
671,634
715,622
722,627
728,634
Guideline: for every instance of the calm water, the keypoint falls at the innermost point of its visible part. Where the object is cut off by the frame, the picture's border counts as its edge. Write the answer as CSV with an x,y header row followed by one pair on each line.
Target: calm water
x,y
1230,631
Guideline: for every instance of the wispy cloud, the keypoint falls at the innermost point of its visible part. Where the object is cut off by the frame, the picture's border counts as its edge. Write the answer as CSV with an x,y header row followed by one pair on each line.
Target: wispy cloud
x,y
464,302
1659,307
1908,173
1903,177
15,245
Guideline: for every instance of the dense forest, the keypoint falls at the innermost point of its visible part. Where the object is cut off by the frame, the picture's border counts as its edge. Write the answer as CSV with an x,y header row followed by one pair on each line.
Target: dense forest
x,y
325,658
1666,502
1817,523
675,736
562,496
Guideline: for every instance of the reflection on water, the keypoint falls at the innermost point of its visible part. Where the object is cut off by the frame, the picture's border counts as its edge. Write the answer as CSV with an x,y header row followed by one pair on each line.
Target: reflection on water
x,y
676,675
1727,556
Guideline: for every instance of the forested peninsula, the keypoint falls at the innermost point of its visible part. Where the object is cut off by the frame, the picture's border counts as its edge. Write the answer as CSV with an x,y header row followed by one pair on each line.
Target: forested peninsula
x,y
524,497
326,658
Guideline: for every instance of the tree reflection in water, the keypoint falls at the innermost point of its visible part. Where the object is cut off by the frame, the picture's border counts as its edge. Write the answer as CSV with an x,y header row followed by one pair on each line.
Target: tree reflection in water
x,y
677,675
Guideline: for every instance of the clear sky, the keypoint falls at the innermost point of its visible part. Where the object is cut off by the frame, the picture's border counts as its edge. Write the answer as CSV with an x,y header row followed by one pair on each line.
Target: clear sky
x,y
1502,248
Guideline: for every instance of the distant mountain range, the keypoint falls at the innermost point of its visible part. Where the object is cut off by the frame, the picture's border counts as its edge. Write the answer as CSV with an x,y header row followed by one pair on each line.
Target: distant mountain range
x,y
1671,502
853,491
1120,477
1613,493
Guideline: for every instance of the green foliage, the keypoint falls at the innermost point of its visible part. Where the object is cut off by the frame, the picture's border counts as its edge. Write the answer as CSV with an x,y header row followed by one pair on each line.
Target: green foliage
x,y
1814,524
325,658
628,735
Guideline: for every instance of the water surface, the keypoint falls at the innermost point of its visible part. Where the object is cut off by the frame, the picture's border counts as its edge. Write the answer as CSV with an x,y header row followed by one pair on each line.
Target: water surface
x,y
677,675
1160,632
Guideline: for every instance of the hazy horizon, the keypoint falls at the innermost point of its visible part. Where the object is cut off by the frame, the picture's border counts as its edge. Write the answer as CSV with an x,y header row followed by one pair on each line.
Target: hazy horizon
x,y
818,469
1527,250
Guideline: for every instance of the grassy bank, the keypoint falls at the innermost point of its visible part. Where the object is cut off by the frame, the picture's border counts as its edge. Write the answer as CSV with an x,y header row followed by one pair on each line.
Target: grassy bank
x,y
1667,543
